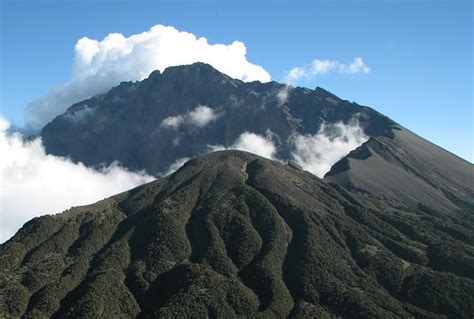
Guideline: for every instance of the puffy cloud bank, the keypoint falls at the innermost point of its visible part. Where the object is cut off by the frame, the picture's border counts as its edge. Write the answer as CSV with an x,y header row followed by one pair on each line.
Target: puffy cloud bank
x,y
100,65
33,183
199,117
257,144
317,153
319,67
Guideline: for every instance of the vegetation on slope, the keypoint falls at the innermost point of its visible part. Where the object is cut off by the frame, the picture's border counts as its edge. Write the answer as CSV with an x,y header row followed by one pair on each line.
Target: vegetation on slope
x,y
233,235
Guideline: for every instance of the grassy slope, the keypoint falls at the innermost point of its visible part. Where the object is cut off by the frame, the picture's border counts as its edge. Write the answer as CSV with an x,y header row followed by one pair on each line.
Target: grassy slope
x,y
233,235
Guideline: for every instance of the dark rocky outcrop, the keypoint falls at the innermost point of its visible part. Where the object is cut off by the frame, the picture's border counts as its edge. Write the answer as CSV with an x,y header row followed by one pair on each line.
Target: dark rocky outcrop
x,y
125,124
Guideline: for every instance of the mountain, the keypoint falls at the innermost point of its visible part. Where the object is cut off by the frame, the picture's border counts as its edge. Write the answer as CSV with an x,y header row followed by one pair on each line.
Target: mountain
x,y
387,233
185,110
410,169
231,234
151,124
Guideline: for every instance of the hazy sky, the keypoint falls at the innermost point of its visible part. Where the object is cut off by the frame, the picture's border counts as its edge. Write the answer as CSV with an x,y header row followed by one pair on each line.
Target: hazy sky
x,y
417,55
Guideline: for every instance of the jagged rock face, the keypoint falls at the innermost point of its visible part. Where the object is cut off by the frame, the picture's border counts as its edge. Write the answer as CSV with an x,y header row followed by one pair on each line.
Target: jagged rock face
x,y
126,123
234,235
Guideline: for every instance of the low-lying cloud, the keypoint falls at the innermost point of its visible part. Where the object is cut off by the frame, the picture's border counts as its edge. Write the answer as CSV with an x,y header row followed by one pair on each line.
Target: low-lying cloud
x,y
315,153
199,117
33,183
319,152
252,143
320,67
100,65
257,144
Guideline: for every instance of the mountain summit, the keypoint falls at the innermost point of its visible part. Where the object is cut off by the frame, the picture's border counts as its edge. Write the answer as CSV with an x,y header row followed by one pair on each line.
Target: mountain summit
x,y
191,109
233,235
187,109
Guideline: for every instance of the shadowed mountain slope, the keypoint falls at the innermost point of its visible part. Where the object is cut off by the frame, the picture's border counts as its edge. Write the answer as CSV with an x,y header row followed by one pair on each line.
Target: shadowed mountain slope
x,y
127,123
154,123
233,235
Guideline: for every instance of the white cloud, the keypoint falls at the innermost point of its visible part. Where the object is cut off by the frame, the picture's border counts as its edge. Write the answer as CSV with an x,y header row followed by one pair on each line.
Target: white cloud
x,y
357,66
100,65
323,66
173,121
175,166
252,143
199,117
283,94
320,67
297,73
317,153
33,183
215,148
256,144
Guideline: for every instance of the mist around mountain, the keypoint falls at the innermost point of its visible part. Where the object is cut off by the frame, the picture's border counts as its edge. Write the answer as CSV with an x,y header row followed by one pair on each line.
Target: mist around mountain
x,y
193,109
33,183
159,123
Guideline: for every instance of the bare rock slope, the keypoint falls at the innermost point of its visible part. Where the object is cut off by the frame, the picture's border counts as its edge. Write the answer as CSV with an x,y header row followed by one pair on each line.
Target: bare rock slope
x,y
409,169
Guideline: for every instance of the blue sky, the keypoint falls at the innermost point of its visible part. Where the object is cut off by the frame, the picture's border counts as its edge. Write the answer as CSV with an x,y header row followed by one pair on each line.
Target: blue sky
x,y
419,52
